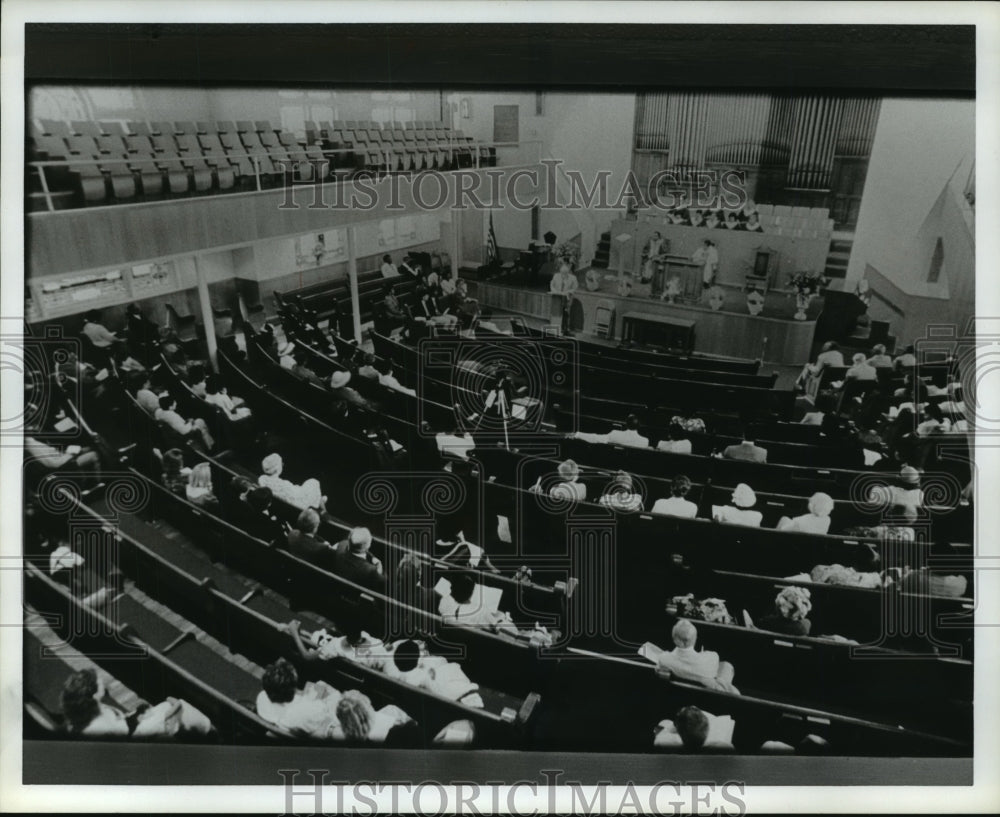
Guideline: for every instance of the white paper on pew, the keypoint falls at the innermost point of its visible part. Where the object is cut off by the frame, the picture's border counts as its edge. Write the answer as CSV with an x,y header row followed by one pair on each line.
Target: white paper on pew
x,y
490,597
65,424
650,652
443,587
101,375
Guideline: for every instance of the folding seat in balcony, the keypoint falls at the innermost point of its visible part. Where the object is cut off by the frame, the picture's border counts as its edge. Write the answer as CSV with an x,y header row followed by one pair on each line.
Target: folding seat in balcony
x,y
111,144
145,169
90,180
225,127
51,147
319,162
268,138
189,143
326,128
350,124
164,142
178,178
245,126
140,144
54,127
280,159
204,127
230,141
112,128
86,128
288,140
201,173
262,125
84,145
140,129
162,128
251,141
375,136
185,127
400,135
211,145
120,175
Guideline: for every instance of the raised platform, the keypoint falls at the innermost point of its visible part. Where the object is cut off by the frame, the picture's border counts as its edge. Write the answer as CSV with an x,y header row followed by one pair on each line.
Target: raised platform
x,y
774,336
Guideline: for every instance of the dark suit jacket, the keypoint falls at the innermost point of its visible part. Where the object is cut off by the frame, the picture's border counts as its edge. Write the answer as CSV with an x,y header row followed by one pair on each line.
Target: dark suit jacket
x,y
313,549
356,569
258,525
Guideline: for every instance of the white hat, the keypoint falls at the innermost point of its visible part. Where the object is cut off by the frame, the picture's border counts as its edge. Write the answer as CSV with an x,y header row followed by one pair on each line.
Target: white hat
x,y
338,379
743,496
286,348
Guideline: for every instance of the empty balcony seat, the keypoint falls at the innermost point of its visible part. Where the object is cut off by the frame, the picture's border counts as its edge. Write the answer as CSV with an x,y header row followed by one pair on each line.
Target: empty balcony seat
x,y
185,127
162,128
188,142
84,145
288,139
54,127
204,127
164,142
251,141
51,147
139,143
211,145
268,138
150,176
140,129
91,182
225,127
178,179
245,126
262,125
111,143
230,140
201,173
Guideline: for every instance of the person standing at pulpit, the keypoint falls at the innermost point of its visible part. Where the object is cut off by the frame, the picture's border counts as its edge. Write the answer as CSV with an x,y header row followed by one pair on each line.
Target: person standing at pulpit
x,y
564,284
708,257
652,263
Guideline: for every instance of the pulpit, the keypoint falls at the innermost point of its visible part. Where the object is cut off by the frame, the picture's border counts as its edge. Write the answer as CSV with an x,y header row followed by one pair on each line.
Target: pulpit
x,y
760,270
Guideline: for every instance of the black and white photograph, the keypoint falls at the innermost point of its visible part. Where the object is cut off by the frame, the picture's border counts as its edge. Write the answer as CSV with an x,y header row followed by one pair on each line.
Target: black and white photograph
x,y
483,408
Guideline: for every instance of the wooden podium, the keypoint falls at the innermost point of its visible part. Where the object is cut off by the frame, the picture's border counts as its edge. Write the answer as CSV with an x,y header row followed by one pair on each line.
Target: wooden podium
x,y
690,274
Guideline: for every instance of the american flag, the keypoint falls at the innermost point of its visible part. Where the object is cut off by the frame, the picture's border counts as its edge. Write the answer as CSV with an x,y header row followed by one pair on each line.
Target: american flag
x,y
492,256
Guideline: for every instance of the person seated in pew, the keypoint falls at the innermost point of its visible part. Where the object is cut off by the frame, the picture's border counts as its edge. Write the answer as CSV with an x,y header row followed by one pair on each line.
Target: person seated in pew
x,y
879,359
353,643
628,436
175,475
71,458
568,488
411,583
861,370
141,386
92,588
739,513
680,217
388,269
286,354
76,371
84,704
932,421
216,394
366,366
464,602
683,662
829,355
410,267
732,223
455,443
305,542
906,360
789,616
387,378
904,491
310,711
306,495
355,562
253,512
392,309
97,333
620,494
411,663
301,369
195,378
448,288
693,729
745,451
677,505
195,430
199,489
677,441
816,521
346,395
360,722
464,554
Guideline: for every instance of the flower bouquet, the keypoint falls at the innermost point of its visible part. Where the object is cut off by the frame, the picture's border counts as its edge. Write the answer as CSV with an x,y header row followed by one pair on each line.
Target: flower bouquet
x,y
688,606
755,302
716,298
692,425
673,289
807,286
568,252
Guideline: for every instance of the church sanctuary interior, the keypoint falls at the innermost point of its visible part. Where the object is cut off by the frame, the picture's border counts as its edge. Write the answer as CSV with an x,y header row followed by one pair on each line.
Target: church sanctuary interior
x,y
624,420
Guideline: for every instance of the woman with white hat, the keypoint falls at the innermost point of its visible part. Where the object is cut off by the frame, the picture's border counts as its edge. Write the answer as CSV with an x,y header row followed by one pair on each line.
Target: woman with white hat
x,y
739,512
306,495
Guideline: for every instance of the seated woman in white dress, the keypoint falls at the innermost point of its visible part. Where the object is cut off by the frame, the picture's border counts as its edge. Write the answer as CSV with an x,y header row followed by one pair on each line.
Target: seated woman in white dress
x,y
739,513
816,521
568,488
311,711
306,495
465,605
359,720
677,504
620,494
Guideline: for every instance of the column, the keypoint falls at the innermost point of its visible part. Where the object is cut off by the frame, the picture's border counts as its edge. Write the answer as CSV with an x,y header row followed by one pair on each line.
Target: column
x,y
352,275
207,316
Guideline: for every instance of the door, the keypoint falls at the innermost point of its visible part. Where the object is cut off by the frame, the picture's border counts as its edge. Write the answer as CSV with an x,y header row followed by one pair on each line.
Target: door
x,y
506,129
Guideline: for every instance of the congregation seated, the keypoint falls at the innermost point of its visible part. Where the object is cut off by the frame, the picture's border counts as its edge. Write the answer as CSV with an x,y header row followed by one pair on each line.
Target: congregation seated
x,y
91,588
789,616
141,386
693,729
677,441
388,269
216,394
355,562
196,379
620,495
253,513
677,504
464,604
816,521
905,360
174,474
628,436
286,354
305,542
98,334
746,451
308,712
301,369
739,513
123,360
360,722
903,491
568,488
306,495
879,359
386,377
346,394
829,355
366,366
199,489
195,430
411,663
861,369
683,662
88,714
68,458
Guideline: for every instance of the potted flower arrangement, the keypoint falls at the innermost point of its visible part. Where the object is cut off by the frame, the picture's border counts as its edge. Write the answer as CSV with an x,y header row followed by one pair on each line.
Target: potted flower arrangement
x,y
693,425
568,252
807,286
755,302
716,298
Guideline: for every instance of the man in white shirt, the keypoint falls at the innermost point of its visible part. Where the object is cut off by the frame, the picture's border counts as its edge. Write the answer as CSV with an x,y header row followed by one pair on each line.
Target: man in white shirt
x,y
708,256
388,268
388,379
861,369
96,333
687,664
167,415
564,283
310,712
677,505
907,360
